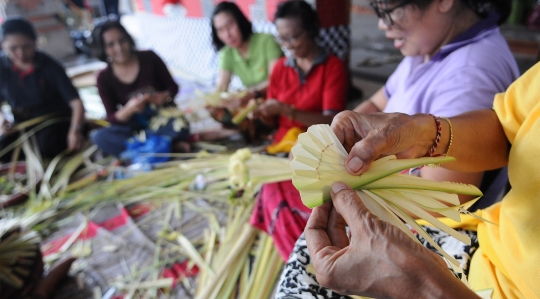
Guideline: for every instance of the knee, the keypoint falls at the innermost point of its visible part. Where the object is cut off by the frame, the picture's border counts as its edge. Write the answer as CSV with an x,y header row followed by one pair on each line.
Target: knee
x,y
98,137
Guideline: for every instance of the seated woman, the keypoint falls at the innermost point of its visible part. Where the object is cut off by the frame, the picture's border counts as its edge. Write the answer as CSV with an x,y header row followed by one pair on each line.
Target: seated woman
x,y
35,85
509,255
445,72
132,82
250,56
307,88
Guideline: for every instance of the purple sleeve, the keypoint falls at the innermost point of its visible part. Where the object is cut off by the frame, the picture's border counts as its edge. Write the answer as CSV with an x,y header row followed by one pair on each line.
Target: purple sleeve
x,y
465,89
163,77
398,75
107,96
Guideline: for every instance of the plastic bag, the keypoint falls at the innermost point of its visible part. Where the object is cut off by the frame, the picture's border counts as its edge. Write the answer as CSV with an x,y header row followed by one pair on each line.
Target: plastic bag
x,y
142,152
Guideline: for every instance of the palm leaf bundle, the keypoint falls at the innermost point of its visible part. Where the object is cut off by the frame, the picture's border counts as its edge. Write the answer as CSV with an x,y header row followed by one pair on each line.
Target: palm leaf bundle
x,y
319,160
18,250
167,114
215,99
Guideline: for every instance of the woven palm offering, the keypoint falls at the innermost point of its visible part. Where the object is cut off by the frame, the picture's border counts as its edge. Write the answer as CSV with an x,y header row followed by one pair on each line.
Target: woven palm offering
x,y
319,160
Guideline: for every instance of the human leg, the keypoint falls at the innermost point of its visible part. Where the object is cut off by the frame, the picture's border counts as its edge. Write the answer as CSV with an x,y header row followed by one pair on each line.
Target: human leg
x,y
112,140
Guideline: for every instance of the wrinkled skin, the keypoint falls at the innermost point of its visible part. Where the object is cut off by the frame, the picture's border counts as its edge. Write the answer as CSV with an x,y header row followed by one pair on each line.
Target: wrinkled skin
x,y
378,259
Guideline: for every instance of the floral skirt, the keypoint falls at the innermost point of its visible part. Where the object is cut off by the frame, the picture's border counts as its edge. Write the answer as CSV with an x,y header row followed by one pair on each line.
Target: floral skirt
x,y
298,279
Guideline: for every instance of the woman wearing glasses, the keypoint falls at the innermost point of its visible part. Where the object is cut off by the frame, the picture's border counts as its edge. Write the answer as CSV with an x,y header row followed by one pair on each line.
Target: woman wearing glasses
x,y
455,61
308,87
250,56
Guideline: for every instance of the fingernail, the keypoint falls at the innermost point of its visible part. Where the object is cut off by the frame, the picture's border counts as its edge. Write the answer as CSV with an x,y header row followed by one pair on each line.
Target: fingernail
x,y
355,164
338,186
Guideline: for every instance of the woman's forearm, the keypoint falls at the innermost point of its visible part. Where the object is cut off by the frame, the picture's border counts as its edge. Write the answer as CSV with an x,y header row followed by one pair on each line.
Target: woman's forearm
x,y
124,114
310,118
376,103
224,79
478,142
77,116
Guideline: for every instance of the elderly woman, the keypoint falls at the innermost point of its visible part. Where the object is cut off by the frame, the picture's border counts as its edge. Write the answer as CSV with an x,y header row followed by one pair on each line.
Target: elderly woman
x,y
307,88
35,85
131,83
509,255
445,73
250,56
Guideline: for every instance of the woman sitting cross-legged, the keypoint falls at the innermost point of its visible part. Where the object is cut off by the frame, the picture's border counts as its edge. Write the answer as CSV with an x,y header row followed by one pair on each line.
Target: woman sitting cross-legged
x,y
132,83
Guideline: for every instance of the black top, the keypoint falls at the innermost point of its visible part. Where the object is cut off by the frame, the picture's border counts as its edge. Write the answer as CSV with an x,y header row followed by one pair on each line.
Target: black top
x,y
44,90
153,76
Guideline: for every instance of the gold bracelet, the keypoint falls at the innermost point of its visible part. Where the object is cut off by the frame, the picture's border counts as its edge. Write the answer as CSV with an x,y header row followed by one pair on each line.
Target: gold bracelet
x,y
451,135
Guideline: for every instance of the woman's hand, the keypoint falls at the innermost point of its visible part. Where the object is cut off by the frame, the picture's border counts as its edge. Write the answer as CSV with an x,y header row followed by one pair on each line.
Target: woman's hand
x,y
272,107
134,105
5,126
378,260
159,98
369,136
75,140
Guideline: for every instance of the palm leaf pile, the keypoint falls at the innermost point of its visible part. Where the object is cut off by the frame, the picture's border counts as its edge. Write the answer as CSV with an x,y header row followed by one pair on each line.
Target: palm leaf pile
x,y
234,259
18,250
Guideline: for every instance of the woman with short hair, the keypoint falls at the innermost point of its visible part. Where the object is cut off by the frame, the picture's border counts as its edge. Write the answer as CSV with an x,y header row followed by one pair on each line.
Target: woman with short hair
x,y
35,85
308,87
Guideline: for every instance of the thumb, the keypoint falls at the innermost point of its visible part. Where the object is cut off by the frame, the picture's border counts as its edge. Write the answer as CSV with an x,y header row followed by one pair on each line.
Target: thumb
x,y
349,205
364,152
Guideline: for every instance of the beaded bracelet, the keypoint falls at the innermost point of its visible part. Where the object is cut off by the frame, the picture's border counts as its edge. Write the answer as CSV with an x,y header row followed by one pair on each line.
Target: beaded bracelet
x,y
437,138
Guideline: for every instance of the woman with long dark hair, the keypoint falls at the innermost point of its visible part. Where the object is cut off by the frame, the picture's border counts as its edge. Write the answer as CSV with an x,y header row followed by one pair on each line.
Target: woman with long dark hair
x,y
248,55
132,82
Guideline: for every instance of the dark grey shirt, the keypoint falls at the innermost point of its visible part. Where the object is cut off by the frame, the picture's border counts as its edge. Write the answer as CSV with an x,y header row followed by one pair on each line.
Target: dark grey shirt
x,y
45,90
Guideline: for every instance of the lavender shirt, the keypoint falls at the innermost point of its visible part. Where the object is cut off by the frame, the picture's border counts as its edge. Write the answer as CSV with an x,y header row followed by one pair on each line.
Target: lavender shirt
x,y
464,76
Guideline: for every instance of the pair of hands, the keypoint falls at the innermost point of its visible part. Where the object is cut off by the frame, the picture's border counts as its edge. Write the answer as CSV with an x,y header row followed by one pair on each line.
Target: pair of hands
x,y
137,104
234,102
272,107
378,260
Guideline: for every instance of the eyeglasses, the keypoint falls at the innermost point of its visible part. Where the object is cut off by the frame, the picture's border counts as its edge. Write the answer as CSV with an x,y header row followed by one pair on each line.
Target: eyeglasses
x,y
387,15
289,40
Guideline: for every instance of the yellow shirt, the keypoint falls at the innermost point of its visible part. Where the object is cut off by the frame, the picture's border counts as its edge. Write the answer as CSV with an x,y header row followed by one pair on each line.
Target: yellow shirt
x,y
509,256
